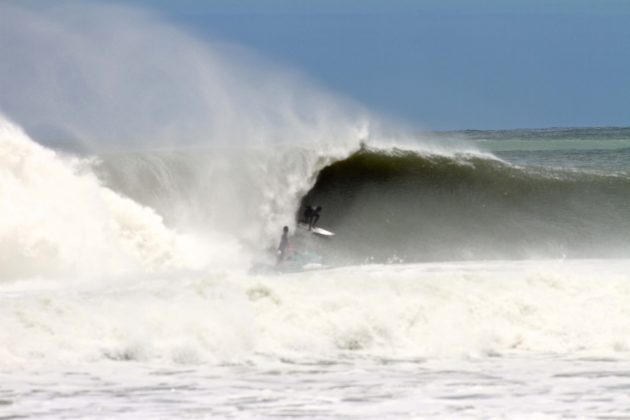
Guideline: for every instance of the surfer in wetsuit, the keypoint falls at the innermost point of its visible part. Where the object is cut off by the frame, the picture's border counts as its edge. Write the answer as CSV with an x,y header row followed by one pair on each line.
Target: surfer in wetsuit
x,y
284,244
311,216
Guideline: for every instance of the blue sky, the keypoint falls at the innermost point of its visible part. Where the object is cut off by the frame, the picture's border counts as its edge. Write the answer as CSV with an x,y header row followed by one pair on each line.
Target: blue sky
x,y
442,64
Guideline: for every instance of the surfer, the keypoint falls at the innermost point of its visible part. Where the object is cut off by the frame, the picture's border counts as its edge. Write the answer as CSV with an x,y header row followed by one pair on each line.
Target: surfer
x,y
284,244
311,216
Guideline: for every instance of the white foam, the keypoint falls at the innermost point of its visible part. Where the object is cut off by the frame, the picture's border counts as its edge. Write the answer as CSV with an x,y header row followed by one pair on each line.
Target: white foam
x,y
450,310
57,219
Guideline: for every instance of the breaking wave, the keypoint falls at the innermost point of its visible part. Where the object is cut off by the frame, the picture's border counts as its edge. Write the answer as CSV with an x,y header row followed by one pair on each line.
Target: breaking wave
x,y
420,207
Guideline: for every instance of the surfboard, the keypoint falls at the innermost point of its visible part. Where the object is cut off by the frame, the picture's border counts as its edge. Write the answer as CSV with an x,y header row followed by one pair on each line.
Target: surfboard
x,y
316,230
323,232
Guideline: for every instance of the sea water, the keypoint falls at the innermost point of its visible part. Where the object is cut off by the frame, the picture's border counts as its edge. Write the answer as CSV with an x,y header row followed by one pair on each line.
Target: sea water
x,y
107,311
499,339
474,274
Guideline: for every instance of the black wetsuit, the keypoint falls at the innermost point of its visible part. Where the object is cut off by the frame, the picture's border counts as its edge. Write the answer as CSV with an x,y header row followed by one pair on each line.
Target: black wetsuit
x,y
311,216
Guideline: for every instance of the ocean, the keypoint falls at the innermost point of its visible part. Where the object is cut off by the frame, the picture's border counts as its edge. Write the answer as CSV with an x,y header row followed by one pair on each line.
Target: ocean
x,y
473,274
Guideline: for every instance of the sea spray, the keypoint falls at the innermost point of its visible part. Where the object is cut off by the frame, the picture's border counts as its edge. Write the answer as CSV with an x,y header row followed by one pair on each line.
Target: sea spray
x,y
119,78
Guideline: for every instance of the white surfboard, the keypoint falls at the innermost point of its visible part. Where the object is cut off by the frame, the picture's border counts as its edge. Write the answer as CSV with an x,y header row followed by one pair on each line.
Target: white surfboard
x,y
316,230
323,232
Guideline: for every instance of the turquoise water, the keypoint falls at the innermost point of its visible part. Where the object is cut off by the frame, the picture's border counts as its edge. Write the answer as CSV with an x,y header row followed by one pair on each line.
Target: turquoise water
x,y
605,149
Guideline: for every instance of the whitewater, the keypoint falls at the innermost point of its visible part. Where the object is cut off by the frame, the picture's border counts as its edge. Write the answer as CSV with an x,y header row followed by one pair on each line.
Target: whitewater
x,y
472,275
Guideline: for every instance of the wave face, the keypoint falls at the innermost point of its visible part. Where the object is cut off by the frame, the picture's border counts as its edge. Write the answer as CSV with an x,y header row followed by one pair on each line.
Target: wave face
x,y
401,205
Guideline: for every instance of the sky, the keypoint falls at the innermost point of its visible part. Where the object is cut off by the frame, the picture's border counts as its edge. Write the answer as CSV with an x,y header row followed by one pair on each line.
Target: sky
x,y
449,64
